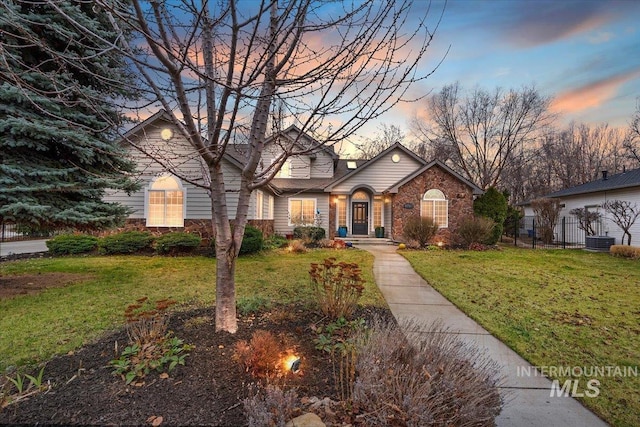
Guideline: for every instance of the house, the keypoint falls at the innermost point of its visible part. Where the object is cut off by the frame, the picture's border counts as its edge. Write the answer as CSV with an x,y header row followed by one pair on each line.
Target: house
x,y
592,195
317,188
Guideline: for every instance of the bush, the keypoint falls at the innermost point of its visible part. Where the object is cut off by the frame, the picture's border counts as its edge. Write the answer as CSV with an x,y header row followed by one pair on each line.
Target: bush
x,y
69,244
252,241
476,230
493,205
275,241
313,234
128,242
297,247
436,379
625,251
420,229
337,287
263,356
270,407
177,242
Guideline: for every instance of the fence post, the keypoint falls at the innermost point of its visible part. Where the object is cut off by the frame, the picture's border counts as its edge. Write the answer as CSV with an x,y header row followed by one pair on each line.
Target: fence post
x,y
533,240
564,232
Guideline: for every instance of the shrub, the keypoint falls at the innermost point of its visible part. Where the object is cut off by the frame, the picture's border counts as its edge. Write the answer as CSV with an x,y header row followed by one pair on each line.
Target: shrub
x,y
252,241
275,241
127,242
270,406
69,244
337,287
177,242
493,205
478,229
312,234
625,251
436,379
296,247
420,230
263,356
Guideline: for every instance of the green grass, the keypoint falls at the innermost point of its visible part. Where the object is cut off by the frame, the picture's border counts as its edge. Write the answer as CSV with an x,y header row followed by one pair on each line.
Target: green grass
x,y
553,307
35,327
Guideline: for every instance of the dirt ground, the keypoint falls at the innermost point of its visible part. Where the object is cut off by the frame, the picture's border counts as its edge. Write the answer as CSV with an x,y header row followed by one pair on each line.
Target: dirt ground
x,y
24,284
208,390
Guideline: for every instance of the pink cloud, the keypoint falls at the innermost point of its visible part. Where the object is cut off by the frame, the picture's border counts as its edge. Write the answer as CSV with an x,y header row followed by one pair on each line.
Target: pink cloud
x,y
593,94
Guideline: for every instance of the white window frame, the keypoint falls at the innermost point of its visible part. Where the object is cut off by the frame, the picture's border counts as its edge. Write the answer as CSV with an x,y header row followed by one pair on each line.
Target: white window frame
x,y
435,202
259,204
147,197
302,200
271,207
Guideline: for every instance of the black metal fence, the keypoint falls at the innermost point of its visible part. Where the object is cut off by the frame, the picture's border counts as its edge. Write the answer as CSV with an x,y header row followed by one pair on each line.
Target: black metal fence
x,y
10,232
565,234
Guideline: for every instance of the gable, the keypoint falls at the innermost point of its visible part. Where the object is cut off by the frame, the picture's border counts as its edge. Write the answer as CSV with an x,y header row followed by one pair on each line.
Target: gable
x,y
379,173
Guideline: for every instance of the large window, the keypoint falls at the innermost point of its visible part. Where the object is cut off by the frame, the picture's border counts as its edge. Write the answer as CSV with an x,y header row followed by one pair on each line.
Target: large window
x,y
302,211
435,205
166,203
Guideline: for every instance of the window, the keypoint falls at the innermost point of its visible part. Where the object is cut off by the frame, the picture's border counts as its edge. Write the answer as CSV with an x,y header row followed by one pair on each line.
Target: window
x,y
435,205
351,164
302,211
360,195
165,206
285,170
341,207
271,200
259,204
377,212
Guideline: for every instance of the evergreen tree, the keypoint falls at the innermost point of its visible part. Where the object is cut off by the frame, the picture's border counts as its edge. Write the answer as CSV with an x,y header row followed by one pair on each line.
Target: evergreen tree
x,y
493,205
58,94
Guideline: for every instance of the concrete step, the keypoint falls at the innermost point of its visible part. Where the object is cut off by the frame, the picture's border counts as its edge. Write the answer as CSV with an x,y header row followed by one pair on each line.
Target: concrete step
x,y
363,240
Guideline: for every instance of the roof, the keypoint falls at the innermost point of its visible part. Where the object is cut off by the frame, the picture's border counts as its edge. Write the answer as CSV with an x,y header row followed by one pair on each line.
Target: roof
x,y
316,145
614,182
394,188
372,161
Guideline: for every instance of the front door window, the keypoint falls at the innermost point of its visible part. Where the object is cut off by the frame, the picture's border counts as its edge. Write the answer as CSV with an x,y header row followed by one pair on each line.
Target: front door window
x,y
360,211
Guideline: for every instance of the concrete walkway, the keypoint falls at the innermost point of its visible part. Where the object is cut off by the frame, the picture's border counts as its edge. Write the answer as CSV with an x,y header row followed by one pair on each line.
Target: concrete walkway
x,y
528,401
22,247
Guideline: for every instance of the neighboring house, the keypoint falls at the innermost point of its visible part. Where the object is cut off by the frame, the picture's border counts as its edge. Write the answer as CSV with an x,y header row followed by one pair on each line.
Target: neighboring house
x,y
311,189
592,195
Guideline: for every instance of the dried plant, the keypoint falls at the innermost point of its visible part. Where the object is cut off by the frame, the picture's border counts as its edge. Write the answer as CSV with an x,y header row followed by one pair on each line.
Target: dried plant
x,y
337,287
429,378
270,406
262,356
147,322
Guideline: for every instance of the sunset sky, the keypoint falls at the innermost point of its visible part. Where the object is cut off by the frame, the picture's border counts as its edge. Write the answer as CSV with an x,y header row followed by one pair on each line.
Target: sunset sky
x,y
586,54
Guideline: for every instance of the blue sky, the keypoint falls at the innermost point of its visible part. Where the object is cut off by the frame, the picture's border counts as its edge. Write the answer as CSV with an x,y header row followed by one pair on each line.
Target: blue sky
x,y
585,54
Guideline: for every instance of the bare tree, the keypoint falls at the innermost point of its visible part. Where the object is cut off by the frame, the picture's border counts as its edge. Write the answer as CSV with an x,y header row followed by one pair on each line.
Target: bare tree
x,y
632,139
580,152
586,218
385,137
624,215
219,69
486,131
547,212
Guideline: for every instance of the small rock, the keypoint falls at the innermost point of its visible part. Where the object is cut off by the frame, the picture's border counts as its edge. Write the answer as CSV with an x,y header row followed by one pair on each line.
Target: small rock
x,y
306,420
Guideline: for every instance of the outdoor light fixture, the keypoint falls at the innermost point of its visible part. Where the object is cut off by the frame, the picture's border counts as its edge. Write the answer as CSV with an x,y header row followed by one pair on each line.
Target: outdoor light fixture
x,y
292,363
166,134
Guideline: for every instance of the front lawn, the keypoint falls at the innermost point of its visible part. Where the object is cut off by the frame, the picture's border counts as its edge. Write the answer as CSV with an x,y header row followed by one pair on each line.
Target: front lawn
x,y
565,308
59,320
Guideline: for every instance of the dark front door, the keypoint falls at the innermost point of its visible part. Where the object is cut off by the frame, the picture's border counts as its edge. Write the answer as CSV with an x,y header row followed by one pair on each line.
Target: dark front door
x,y
360,214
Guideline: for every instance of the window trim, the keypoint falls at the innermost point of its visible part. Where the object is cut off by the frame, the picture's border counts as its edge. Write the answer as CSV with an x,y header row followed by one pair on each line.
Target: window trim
x,y
435,202
259,202
301,199
147,195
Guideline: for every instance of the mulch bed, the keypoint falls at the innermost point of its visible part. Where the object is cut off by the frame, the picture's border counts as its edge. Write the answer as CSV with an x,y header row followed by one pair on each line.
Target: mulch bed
x,y
208,390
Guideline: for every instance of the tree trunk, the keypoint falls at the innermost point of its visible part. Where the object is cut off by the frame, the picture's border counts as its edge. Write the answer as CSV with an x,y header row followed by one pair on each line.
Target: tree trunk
x,y
226,318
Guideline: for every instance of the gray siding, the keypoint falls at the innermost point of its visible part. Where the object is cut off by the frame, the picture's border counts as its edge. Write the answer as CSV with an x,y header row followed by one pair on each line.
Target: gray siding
x,y
198,202
322,165
380,175
281,215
